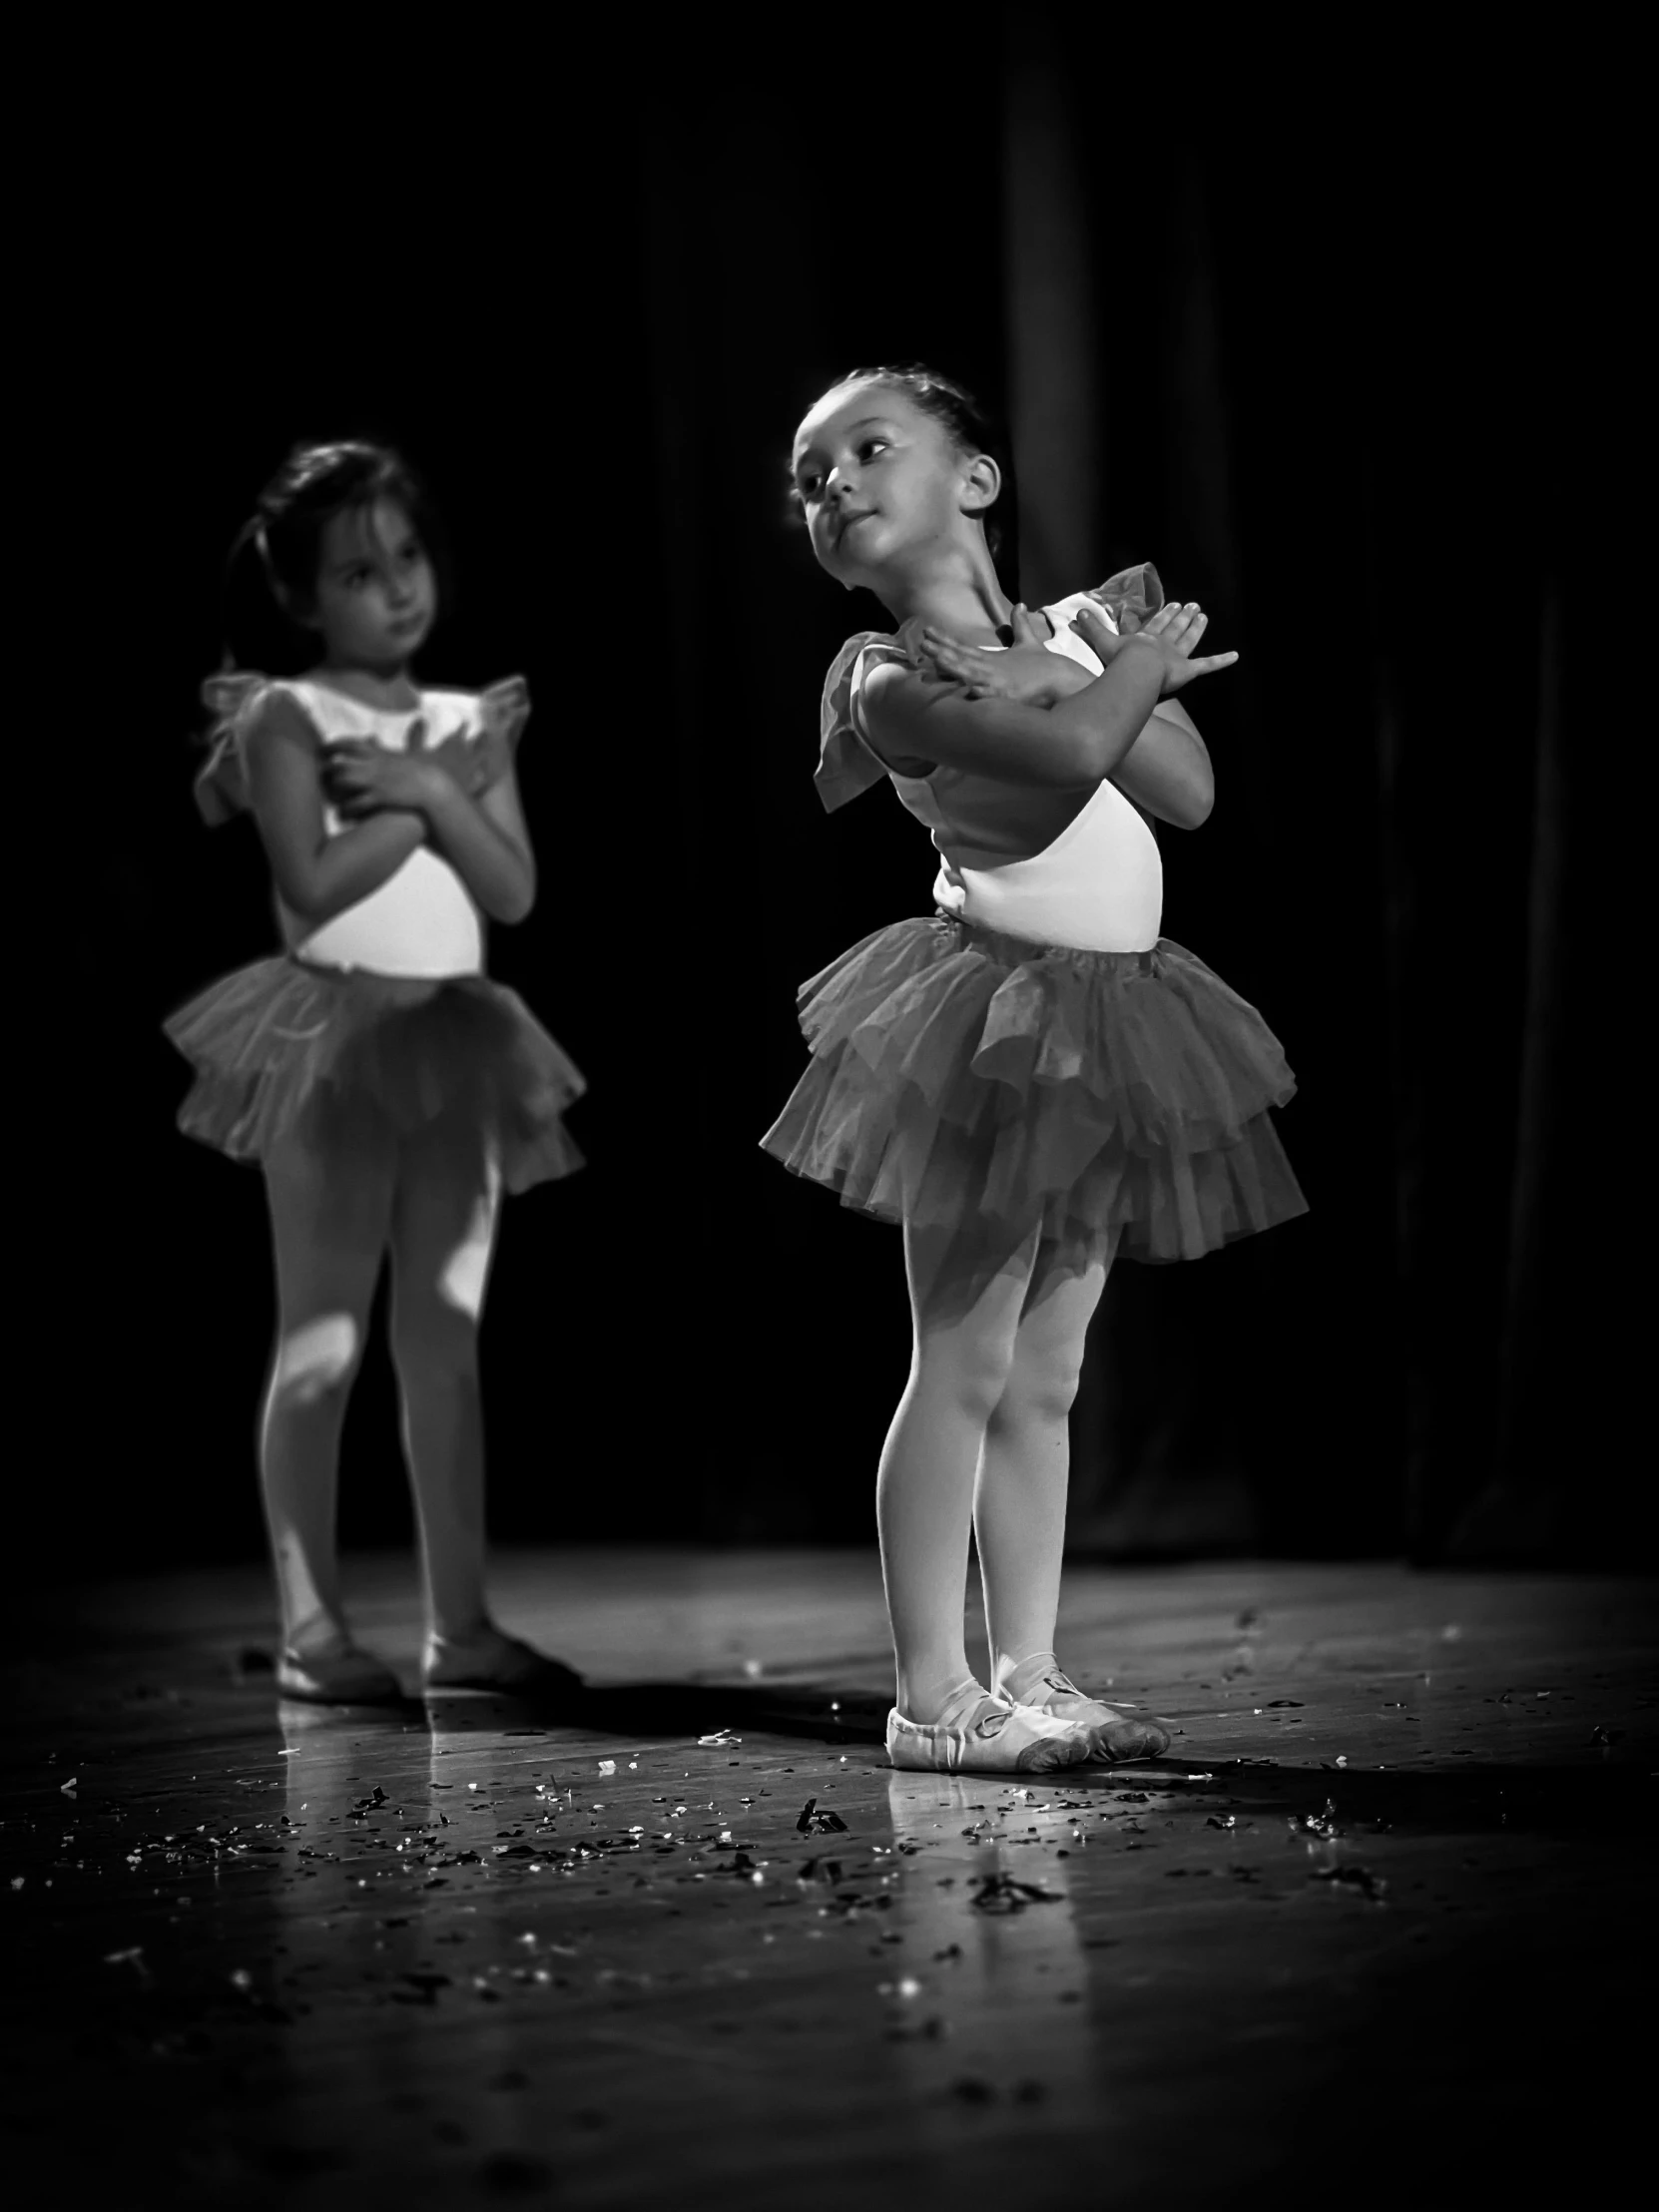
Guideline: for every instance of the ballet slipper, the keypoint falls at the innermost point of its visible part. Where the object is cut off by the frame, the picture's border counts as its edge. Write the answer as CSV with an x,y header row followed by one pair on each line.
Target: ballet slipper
x,y
493,1661
337,1673
1115,1737
979,1733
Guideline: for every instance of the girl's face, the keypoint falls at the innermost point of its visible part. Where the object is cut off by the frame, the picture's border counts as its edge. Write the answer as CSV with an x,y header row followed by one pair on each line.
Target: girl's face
x,y
376,592
882,484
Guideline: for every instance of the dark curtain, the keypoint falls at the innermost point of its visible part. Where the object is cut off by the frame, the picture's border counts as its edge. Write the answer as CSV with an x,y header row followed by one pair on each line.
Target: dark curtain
x,y
1354,447
1254,359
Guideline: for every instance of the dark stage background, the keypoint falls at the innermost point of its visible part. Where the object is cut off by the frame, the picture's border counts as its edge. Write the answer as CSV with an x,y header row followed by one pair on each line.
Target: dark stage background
x,y
1307,369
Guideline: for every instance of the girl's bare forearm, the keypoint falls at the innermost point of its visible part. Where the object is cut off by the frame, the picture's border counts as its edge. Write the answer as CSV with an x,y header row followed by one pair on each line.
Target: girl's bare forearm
x,y
349,866
1110,713
1167,770
498,874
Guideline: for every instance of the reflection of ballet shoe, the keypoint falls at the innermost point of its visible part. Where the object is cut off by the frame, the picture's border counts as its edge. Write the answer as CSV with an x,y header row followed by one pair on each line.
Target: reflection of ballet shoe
x,y
492,1661
311,1727
1114,1737
336,1674
981,1734
919,1805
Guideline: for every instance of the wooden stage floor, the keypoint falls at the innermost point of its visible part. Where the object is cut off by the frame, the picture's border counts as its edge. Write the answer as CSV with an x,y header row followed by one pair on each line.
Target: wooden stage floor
x,y
1380,1927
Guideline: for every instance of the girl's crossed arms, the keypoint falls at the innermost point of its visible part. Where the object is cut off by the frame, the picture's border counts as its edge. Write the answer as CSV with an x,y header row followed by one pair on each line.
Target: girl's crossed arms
x,y
1166,767
460,795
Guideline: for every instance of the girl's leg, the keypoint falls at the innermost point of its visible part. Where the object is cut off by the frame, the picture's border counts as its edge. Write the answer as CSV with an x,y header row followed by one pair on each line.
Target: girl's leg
x,y
443,1237
329,1208
1019,1505
959,1368
1020,1512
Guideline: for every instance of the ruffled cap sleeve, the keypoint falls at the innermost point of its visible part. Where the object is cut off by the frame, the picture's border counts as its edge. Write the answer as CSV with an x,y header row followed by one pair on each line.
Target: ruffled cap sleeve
x,y
222,785
845,765
1129,596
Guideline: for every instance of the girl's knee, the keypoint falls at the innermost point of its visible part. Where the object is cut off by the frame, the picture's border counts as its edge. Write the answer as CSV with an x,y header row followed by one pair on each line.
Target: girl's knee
x,y
1040,1389
316,1357
465,1271
972,1375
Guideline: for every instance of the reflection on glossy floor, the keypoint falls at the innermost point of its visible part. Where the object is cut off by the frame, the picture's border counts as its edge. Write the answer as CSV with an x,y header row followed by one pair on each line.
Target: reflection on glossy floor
x,y
1381,1924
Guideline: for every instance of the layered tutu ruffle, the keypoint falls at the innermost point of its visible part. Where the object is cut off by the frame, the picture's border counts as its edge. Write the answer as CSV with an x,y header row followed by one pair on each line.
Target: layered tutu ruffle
x,y
973,1083
282,1046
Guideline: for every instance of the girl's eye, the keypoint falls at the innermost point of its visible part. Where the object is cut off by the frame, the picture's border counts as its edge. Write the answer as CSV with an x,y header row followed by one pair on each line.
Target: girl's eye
x,y
870,447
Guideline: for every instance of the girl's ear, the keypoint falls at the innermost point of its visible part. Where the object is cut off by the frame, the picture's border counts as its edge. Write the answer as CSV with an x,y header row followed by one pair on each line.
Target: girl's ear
x,y
982,482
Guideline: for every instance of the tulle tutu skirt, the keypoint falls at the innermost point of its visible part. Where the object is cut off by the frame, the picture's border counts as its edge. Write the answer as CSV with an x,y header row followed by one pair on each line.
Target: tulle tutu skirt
x,y
281,1046
982,1086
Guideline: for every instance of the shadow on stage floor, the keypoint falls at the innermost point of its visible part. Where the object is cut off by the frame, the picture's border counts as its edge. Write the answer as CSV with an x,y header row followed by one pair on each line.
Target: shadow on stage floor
x,y
1469,1799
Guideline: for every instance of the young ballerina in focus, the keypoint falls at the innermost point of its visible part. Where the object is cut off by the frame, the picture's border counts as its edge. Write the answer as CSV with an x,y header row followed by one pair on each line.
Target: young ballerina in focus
x,y
388,1090
1033,1082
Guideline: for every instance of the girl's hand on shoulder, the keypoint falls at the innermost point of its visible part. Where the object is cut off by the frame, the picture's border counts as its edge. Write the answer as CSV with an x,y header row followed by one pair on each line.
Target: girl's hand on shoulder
x,y
505,709
1174,632
1026,672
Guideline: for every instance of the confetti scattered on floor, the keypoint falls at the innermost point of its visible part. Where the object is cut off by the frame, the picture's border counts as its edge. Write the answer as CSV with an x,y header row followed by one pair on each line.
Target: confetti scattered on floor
x,y
698,1937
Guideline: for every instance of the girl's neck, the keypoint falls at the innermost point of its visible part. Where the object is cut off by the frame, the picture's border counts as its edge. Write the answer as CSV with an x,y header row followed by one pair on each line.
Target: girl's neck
x,y
958,594
391,689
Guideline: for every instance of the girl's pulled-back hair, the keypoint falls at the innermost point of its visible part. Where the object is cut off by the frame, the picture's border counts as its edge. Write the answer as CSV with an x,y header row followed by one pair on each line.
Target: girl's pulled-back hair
x,y
971,426
270,580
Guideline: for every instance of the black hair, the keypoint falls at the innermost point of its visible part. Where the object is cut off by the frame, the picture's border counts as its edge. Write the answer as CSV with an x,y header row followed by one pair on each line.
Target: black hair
x,y
971,426
271,577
